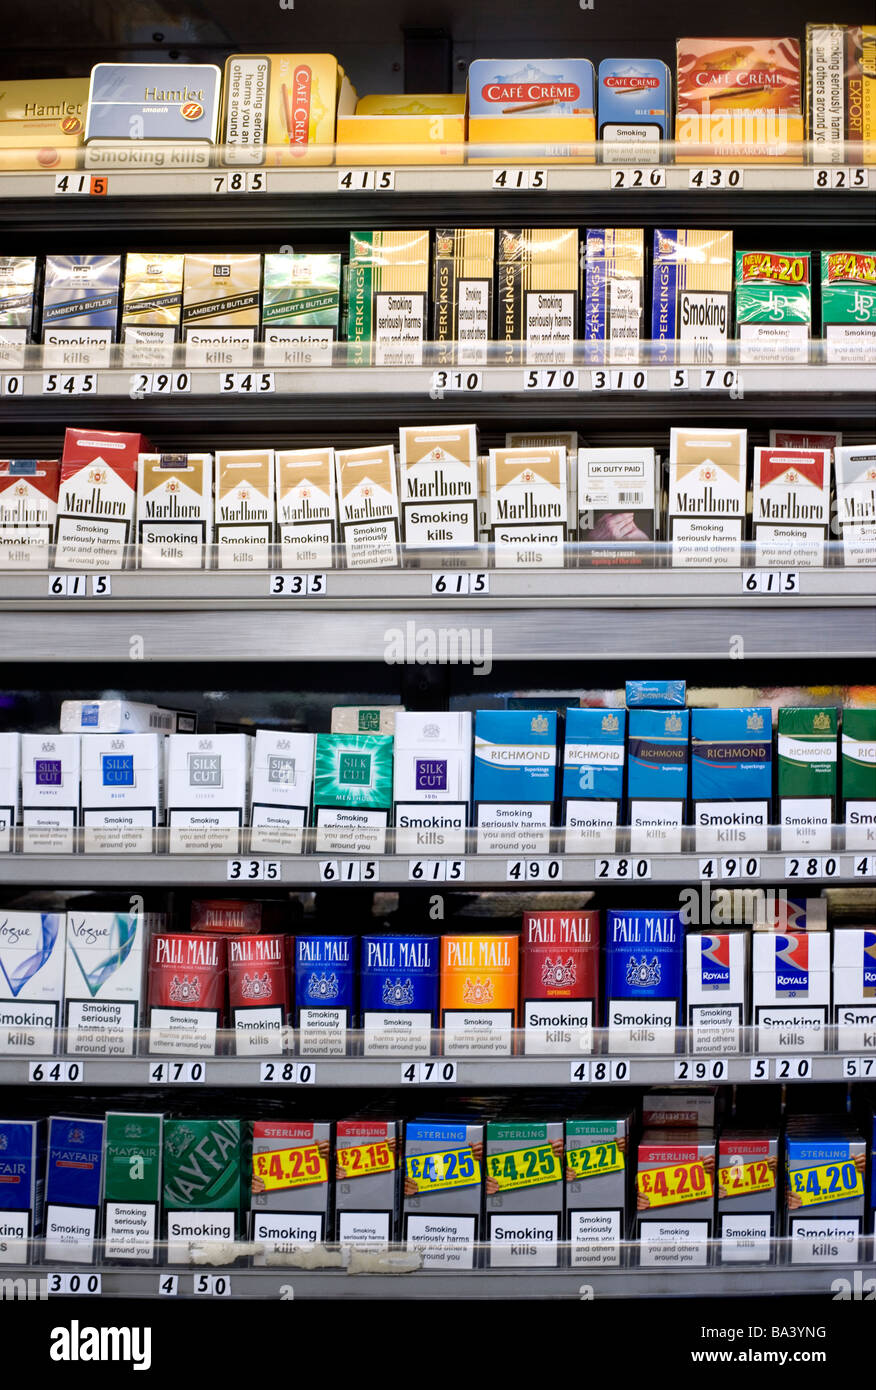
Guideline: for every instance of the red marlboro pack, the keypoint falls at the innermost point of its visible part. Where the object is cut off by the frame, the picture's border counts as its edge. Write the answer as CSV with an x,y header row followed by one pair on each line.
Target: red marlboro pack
x,y
28,508
187,975
259,992
791,506
559,980
96,498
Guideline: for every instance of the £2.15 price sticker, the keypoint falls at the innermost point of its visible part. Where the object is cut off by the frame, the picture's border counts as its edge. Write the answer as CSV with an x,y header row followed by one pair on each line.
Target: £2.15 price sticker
x,y
683,1182
361,1159
285,1168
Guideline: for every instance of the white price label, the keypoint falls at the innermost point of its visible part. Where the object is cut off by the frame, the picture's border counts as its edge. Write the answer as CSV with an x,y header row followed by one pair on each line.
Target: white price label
x,y
854,178
212,1286
678,379
93,185
634,177
625,868
715,178
551,379
253,870
771,581
513,179
812,866
864,866
445,380
459,582
246,383
740,866
759,1069
709,1069
101,586
177,1073
13,385
855,1068
720,379
255,181
298,585
56,1072
579,1072
60,384
349,870
168,1285
436,870
159,383
793,1068
433,1073
610,1070
624,380
288,1073
534,870
356,180
74,1284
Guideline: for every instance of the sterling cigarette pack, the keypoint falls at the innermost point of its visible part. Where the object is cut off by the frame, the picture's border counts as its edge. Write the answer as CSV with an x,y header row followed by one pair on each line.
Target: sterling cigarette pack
x,y
28,511
597,1187
644,976
443,1191
103,982
207,1173
291,1185
559,981
74,1181
132,1186
594,760
524,1179
462,293
825,1198
368,1165
739,99
280,108
748,1196
675,1197
790,506
691,300
31,981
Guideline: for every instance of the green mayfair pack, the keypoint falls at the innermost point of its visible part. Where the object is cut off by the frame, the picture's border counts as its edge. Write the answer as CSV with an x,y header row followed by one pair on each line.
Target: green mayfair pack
x,y
132,1185
206,1183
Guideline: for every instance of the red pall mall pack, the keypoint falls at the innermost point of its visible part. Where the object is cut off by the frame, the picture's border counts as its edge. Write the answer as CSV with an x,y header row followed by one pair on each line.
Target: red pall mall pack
x,y
187,984
260,992
559,981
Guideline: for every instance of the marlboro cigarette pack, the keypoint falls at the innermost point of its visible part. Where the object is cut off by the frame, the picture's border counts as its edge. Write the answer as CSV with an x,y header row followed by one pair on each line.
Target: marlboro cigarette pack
x,y
81,292
559,981
28,511
613,293
791,991
221,291
537,292
848,305
717,990
174,509
398,981
18,281
675,1197
132,1186
22,1170
859,778
479,994
431,781
524,1218
368,506
259,993
325,993
207,791
854,988
594,757
368,1163
409,128
739,98
10,794
49,792
282,785
841,93
122,792
748,1196
439,486
103,982
153,101
515,768
443,1191
245,513
31,980
462,293
187,977
691,298
291,1185
825,1198
207,1175
96,498
123,717
643,981
597,1187
544,102
42,122
807,780
389,297
790,506
732,778
74,1181
280,108
634,107
855,467
528,509
307,513
707,496
773,305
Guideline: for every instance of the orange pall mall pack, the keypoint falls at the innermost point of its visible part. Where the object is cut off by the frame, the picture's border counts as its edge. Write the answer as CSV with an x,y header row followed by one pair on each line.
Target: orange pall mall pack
x,y
739,99
479,994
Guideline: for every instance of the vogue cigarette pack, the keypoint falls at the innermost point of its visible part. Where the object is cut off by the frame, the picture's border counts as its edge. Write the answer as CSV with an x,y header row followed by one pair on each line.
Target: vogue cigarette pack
x,y
104,979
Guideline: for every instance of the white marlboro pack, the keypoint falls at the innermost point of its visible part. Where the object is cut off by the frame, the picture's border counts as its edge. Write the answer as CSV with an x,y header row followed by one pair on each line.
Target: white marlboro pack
x,y
96,496
31,981
291,1185
260,993
103,982
367,1169
74,1182
748,1196
597,1187
307,513
174,510
791,991
22,1184
443,1191
282,785
49,792
439,486
10,778
431,781
854,988
528,507
187,975
122,792
707,496
28,510
791,506
675,1197
368,506
244,518
207,791
717,991
855,467
123,717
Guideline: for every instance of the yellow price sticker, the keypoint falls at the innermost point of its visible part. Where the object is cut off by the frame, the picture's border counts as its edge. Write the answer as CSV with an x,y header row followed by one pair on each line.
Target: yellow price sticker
x,y
828,1182
682,1182
434,1172
524,1167
743,1178
594,1160
284,1168
361,1159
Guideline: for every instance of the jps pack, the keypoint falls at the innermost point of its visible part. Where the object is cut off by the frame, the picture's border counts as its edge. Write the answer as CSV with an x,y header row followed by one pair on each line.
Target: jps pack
x,y
824,1192
594,757
807,781
848,305
854,988
28,510
291,1185
49,793
675,1197
618,511
122,792
103,982
613,284
325,985
644,969
95,521
732,778
132,1186
479,993
10,782
659,751
307,513
398,983
74,1173
791,991
524,1180
443,1191
559,981
31,980
515,769
22,1188
207,1177
207,791
368,507
859,777
431,781
529,507
352,792
368,1165
244,519
707,496
748,1196
790,506
634,98
187,980
691,298
260,993
855,468
597,1188
174,510
773,305
282,786
717,991
439,486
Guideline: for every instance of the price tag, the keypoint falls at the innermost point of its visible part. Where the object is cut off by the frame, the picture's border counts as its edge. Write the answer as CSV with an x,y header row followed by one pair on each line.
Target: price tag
x,y
212,1286
432,1073
771,581
518,1168
56,1072
356,180
240,181
812,866
793,1068
859,1067
436,870
533,179
78,1284
634,177
246,383
629,381
551,379
434,1172
460,582
610,1070
359,1160
682,1182
841,178
13,385
177,1073
287,1073
678,379
709,1069
253,870
159,383
579,1072
101,586
826,1182
720,379
282,1169
168,1285
93,185
715,178
445,380
59,384
759,1069
594,1160
864,866
747,1177
733,867
298,585
349,870
533,870
623,868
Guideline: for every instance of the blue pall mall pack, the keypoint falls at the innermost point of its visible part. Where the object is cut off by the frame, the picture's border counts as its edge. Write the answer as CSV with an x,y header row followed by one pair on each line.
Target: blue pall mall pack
x,y
634,104
325,981
74,1181
732,778
657,778
22,1165
593,779
398,982
644,974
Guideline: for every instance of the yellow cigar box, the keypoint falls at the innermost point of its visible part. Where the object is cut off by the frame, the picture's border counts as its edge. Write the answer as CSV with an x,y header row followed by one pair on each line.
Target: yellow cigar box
x,y
407,129
280,108
42,122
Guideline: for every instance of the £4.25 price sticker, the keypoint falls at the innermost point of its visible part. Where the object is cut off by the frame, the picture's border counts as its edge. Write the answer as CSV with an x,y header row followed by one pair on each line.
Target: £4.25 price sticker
x,y
284,1168
432,1172
523,1168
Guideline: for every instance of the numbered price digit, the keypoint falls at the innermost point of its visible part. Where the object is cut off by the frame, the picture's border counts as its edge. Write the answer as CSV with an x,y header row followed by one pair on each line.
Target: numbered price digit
x,y
252,870
246,383
720,379
629,381
759,1069
56,1073
444,380
358,180
551,379
715,178
13,385
432,1073
624,868
743,866
678,379
709,1069
638,178
812,866
579,1073
864,866
793,1068
177,1073
515,179
75,1285
855,178
168,1285
609,1070
771,581
212,1286
855,1068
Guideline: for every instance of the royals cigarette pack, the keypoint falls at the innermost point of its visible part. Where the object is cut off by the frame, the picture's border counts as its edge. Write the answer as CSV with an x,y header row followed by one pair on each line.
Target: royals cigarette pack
x,y
388,297
280,108
282,785
617,506
325,993
515,771
675,1197
307,513
807,781
528,510
739,99
773,305
559,981
825,1200
748,1196
859,778
74,1180
31,980
28,510
657,778
479,994
732,778
207,791
398,983
368,1166
18,302
219,293
613,275
431,781
462,294
245,512
409,128
524,1180
644,970
132,1186
260,993
153,101
791,991
594,758
122,792
364,719
291,1185
10,794
42,122
848,304
81,292
597,1187
151,303
707,496
207,1167
49,793
22,1188
547,104
537,277
634,97
96,497
439,486
691,296
103,982
841,93
174,510
123,717
855,467
717,968
187,979
854,988
443,1191
791,506
368,507
352,791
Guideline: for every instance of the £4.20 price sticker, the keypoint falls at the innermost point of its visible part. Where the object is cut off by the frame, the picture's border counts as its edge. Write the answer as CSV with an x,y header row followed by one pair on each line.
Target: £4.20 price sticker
x,y
680,1182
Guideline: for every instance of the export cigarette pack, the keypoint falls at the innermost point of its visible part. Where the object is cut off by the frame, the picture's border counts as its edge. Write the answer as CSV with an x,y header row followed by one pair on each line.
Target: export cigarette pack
x,y
841,93
617,507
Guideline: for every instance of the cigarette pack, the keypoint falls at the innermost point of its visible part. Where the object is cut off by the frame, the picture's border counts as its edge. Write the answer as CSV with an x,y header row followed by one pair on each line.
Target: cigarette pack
x,y
260,993
10,795
462,294
732,778
707,496
207,1175
325,993
739,98
515,772
773,305
220,294
301,293
597,1202
545,103
306,508
659,751
859,778
677,1108
367,1170
22,1185
825,1199
479,994
96,498
431,782
655,694
848,304
748,1196
245,513
187,976
174,510
398,980
282,785
524,1175
368,506
617,508
594,756
31,981
613,293
291,1185
807,779
529,507
280,108
81,292
717,991
675,1197
49,793
42,122
352,791
855,467
413,128
691,296
559,981
207,792
537,293
794,439
18,300
791,506
132,1186
74,1182
154,101
634,108
777,912
841,93
151,305
28,511
227,915
854,989
644,969
443,1191
364,719
388,297
791,991
122,792
123,717
103,982
439,486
